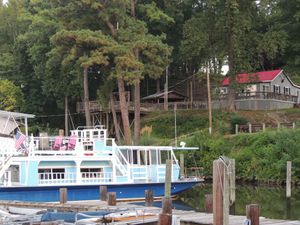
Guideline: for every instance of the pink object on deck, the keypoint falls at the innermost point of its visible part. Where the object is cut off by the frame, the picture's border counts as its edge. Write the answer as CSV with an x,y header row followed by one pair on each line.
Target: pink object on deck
x,y
72,142
58,143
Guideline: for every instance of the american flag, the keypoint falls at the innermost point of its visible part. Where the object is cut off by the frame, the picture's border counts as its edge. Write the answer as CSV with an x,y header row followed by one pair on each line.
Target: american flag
x,y
20,138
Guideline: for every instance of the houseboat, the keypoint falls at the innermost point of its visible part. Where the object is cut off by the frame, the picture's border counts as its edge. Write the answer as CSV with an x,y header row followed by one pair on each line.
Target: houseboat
x,y
35,168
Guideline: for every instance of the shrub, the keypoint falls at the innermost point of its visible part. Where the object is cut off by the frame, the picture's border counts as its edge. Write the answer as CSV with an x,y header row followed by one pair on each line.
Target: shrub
x,y
237,120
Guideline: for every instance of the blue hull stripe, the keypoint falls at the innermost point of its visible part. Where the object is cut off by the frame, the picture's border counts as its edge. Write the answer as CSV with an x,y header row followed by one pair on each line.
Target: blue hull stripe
x,y
89,192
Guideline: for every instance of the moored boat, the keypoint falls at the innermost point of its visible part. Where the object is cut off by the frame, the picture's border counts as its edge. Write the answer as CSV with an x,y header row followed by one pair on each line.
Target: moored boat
x,y
34,168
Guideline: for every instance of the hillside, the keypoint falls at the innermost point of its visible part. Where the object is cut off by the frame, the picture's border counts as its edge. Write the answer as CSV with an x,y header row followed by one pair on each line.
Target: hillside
x,y
259,156
190,121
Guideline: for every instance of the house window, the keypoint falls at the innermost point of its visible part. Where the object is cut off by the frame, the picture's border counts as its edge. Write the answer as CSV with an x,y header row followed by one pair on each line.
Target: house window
x,y
223,90
265,88
276,89
287,90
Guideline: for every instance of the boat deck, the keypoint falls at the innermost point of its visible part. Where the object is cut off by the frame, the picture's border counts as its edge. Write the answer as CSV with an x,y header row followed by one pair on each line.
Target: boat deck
x,y
186,217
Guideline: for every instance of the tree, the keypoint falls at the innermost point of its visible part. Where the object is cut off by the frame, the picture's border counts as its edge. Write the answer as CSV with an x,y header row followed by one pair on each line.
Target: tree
x,y
11,96
87,48
287,20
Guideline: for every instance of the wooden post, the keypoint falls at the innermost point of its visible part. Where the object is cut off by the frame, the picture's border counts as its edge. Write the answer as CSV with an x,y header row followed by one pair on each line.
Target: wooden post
x,y
103,193
182,166
112,200
226,201
218,183
209,101
208,203
167,205
165,219
148,197
236,129
252,213
278,125
63,195
264,126
232,186
294,125
250,128
168,177
288,178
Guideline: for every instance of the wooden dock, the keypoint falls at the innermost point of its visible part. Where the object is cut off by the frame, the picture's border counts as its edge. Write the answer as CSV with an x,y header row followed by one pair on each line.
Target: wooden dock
x,y
185,217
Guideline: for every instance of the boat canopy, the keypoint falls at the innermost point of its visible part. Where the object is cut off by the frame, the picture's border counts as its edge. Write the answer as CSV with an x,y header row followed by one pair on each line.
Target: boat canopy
x,y
8,121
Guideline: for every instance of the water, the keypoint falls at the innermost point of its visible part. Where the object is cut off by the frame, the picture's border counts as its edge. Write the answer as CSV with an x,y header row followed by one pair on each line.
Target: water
x,y
272,200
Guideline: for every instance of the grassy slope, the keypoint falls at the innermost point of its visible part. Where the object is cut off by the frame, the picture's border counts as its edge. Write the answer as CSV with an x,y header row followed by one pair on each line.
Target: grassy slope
x,y
260,156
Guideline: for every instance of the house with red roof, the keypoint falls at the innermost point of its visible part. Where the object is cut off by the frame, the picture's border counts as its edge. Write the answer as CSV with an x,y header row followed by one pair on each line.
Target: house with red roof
x,y
263,90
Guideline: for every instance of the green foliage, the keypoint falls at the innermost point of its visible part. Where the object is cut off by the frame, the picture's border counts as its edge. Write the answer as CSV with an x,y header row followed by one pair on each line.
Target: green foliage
x,y
11,96
261,156
186,123
236,120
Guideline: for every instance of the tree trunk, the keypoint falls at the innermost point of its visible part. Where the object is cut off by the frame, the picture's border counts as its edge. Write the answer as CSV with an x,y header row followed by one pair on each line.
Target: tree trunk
x,y
231,55
115,120
158,85
137,94
137,112
86,98
66,116
124,111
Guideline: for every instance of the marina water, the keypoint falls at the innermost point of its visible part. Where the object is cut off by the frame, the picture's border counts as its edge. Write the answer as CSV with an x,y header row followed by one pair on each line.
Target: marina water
x,y
272,200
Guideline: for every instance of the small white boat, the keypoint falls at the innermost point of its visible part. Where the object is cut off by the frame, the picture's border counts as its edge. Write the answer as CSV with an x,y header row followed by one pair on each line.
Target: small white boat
x,y
25,211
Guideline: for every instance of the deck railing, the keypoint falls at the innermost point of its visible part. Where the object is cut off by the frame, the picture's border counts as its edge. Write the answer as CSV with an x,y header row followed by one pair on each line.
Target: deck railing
x,y
96,177
70,178
57,178
263,95
95,105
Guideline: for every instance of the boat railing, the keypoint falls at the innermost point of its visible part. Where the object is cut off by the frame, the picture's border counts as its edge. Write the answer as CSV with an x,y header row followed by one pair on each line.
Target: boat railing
x,y
90,127
7,147
57,178
71,178
121,162
47,143
96,177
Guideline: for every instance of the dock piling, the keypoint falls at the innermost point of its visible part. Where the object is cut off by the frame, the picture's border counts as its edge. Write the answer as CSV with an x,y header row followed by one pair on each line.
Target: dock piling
x,y
103,193
218,182
231,172
252,213
63,195
112,200
148,197
208,203
165,218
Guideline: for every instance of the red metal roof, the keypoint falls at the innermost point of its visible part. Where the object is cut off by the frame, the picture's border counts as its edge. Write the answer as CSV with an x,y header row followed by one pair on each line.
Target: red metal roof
x,y
262,76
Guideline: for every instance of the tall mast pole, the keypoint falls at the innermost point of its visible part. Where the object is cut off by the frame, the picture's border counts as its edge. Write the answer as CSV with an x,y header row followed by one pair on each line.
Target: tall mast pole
x,y
209,100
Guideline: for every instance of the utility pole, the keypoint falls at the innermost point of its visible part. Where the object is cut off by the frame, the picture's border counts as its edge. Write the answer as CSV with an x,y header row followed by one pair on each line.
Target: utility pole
x,y
209,100
166,92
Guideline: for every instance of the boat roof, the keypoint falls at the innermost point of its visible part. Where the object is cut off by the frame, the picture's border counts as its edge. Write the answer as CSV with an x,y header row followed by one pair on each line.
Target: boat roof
x,y
15,115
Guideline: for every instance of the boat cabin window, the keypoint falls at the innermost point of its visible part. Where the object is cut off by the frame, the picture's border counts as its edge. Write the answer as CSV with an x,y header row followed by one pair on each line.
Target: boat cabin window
x,y
51,173
88,170
153,157
91,172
